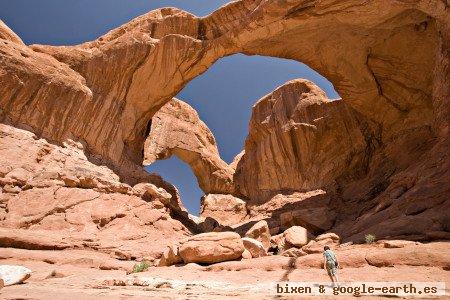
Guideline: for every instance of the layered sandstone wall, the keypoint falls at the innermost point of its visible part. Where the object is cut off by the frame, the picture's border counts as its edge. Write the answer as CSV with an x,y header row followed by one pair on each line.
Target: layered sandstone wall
x,y
53,198
125,76
389,61
299,141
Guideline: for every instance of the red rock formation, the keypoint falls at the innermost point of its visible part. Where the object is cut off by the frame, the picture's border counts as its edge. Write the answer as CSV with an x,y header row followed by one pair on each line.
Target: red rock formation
x,y
338,173
387,59
125,76
298,141
176,129
226,209
52,197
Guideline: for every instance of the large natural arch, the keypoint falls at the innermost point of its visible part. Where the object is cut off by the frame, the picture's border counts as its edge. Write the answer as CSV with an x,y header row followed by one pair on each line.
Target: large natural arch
x,y
128,74
388,61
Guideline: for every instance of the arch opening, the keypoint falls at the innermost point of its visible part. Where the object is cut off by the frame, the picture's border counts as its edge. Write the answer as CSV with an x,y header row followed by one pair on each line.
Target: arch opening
x,y
223,97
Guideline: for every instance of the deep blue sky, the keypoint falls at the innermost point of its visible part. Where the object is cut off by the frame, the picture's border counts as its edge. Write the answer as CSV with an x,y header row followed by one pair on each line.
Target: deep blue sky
x,y
223,95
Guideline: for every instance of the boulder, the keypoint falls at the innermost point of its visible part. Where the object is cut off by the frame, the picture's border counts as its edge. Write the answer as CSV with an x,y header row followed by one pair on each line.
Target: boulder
x,y
14,274
212,247
316,246
226,209
170,257
255,247
397,243
260,231
296,236
328,236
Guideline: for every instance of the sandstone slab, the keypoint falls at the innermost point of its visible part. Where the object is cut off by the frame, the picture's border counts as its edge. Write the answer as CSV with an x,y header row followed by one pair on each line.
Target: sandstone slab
x,y
255,247
260,231
212,247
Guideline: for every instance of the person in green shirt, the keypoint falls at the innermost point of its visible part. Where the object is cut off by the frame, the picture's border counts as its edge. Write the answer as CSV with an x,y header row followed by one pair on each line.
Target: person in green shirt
x,y
330,264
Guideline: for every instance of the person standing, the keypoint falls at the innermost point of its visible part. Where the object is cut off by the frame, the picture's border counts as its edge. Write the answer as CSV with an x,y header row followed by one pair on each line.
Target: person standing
x,y
330,264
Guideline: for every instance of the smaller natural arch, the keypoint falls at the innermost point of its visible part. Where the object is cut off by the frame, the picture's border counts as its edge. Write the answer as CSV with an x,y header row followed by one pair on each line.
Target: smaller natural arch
x,y
176,129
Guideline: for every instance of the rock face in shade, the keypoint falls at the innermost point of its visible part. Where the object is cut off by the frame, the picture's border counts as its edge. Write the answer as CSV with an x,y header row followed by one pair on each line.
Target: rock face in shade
x,y
226,209
212,247
313,141
170,256
389,177
340,175
176,129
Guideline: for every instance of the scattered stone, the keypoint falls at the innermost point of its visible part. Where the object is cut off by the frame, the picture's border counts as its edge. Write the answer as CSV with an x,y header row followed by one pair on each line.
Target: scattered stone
x,y
328,236
12,189
170,256
397,243
260,231
255,247
316,246
296,236
212,247
277,243
14,274
346,244
54,274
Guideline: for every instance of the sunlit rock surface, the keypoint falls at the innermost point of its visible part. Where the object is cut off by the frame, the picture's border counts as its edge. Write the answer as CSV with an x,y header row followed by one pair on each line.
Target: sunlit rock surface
x,y
176,129
75,120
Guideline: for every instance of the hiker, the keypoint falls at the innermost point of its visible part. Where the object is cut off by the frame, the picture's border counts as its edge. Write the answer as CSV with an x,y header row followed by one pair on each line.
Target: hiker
x,y
330,264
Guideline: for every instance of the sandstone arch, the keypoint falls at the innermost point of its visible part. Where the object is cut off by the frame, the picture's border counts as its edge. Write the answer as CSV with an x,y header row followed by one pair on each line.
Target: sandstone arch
x,y
388,60
128,74
177,130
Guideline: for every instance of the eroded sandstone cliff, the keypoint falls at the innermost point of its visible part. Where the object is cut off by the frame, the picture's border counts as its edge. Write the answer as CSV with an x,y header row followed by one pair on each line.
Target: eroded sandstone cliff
x,y
389,61
176,129
53,198
338,174
125,76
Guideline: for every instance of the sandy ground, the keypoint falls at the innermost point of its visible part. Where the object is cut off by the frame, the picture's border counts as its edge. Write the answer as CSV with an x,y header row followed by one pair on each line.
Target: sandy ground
x,y
50,281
